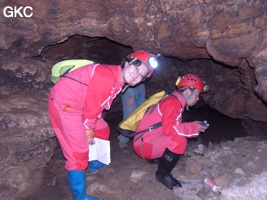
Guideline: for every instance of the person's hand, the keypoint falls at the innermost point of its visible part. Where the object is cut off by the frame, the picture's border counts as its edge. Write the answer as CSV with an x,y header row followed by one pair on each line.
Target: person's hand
x,y
91,141
201,128
90,136
89,133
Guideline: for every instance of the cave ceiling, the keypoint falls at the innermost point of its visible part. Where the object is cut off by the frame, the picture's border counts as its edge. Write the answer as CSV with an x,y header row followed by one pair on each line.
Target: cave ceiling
x,y
231,32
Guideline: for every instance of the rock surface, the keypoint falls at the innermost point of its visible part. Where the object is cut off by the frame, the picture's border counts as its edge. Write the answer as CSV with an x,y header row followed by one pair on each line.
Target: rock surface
x,y
232,33
27,143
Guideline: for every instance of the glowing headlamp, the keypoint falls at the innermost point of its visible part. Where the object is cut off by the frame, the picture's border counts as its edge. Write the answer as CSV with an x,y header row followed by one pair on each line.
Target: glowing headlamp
x,y
148,59
153,62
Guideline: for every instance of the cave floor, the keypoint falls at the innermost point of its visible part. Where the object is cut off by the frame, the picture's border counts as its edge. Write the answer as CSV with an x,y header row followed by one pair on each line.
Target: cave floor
x,y
112,182
127,177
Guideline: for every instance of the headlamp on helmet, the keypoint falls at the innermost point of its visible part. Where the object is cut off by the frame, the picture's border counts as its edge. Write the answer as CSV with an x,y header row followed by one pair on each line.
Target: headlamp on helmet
x,y
153,62
148,59
206,88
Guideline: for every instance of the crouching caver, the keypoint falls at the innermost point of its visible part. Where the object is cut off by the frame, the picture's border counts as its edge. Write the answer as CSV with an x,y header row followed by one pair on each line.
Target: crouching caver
x,y
167,143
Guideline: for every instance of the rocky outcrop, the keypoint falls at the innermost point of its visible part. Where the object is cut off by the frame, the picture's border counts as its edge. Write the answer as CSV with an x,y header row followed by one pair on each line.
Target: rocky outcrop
x,y
27,142
242,178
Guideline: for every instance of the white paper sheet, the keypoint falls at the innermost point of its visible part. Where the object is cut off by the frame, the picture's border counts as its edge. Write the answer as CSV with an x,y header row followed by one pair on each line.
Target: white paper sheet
x,y
100,151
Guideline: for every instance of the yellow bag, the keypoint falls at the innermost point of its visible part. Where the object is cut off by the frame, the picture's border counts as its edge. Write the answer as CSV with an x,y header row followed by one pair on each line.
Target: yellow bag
x,y
129,125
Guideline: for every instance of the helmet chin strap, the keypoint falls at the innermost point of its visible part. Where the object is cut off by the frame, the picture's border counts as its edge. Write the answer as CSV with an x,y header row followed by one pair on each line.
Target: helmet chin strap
x,y
188,97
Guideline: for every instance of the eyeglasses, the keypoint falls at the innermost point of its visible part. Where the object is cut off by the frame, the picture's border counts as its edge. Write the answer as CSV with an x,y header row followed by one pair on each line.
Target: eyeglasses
x,y
143,77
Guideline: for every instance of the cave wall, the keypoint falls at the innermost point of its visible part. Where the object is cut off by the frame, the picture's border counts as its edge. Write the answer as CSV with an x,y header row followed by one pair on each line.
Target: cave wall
x,y
232,32
230,38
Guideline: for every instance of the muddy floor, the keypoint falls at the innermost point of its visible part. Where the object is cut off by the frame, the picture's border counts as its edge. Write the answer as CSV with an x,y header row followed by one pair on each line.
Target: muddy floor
x,y
130,177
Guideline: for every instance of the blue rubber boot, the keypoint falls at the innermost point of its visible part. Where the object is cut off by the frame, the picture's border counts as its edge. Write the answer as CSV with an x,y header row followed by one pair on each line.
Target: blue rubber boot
x,y
77,183
95,165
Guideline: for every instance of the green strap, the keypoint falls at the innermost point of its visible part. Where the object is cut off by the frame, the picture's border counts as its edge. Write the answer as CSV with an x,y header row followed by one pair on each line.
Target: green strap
x,y
67,71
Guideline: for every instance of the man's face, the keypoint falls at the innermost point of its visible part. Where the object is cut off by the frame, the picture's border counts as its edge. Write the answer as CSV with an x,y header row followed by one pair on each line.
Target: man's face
x,y
193,99
133,75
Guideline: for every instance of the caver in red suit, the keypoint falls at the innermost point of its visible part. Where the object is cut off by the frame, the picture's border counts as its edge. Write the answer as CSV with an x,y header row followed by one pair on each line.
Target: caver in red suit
x,y
172,134
167,143
75,106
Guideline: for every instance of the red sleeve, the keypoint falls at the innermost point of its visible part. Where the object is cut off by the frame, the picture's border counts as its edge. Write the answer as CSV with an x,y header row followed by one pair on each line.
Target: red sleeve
x,y
187,129
99,90
172,117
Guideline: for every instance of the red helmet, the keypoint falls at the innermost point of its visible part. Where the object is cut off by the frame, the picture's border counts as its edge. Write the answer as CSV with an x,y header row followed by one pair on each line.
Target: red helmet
x,y
147,58
193,81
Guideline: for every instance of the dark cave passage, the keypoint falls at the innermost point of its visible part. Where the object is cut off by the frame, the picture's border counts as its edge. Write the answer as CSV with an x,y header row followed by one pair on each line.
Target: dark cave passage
x,y
103,50
222,128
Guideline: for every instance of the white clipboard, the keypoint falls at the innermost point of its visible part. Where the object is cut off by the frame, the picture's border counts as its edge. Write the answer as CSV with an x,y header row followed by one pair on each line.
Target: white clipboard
x,y
100,151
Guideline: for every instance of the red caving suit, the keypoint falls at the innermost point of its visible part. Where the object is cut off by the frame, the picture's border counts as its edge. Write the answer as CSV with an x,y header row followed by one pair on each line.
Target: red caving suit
x,y
74,107
172,134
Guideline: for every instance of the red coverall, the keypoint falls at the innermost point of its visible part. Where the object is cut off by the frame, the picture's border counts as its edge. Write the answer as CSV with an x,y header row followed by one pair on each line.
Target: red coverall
x,y
74,107
172,134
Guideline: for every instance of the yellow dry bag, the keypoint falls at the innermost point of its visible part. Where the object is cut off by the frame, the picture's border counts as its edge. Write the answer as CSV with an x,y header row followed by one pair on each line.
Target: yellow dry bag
x,y
129,125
